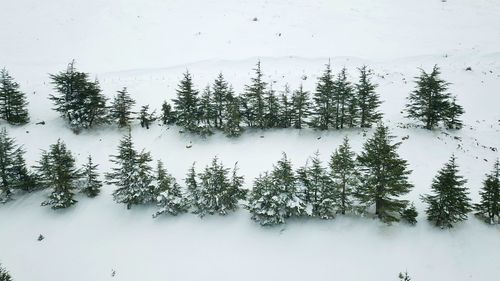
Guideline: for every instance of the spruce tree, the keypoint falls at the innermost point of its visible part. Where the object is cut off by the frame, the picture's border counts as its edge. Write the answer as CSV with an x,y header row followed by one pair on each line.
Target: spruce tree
x,y
4,274
169,196
217,193
452,115
57,172
367,99
12,101
207,112
90,185
255,104
449,202
13,172
186,105
221,97
324,109
318,192
410,214
275,196
430,102
193,189
167,114
233,128
343,98
285,109
383,176
300,108
132,175
489,206
79,100
146,117
121,108
272,109
344,175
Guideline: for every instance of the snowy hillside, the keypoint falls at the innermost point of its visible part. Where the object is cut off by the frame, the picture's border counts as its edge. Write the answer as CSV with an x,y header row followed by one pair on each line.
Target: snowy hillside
x,y
147,45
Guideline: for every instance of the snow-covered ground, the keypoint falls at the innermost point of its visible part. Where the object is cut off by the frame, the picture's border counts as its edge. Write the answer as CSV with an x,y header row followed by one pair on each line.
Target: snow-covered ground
x,y
147,45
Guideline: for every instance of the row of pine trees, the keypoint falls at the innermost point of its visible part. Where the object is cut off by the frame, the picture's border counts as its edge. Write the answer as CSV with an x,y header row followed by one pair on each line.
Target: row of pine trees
x,y
371,183
336,103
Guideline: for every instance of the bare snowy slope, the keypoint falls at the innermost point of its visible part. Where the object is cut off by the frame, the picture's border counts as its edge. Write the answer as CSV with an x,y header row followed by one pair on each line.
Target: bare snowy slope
x,y
147,45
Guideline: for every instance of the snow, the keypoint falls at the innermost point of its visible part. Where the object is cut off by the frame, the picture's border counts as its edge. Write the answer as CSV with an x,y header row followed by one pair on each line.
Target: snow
x,y
147,45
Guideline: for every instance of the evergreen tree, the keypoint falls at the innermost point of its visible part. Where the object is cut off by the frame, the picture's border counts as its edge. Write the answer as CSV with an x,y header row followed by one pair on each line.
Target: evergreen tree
x,y
272,110
489,206
121,108
4,274
132,175
404,276
285,109
207,112
167,114
13,172
343,172
324,110
343,98
430,102
232,128
410,214
452,114
450,202
367,99
255,104
383,176
221,98
275,196
169,196
146,117
91,185
79,99
217,193
12,101
319,195
300,108
186,105
57,171
193,189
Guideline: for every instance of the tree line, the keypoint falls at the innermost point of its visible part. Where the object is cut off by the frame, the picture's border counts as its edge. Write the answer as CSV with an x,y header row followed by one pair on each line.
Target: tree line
x,y
336,103
371,183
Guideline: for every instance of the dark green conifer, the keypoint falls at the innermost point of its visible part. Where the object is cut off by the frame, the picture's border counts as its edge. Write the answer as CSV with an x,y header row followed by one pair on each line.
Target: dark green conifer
x,y
169,196
324,109
367,99
254,100
12,101
91,185
121,108
146,117
344,176
489,206
300,108
186,105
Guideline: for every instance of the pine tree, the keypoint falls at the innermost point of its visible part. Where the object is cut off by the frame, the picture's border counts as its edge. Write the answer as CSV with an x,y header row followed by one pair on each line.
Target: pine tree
x,y
169,196
217,192
275,196
404,276
132,175
324,110
146,117
186,105
343,172
489,206
450,202
300,108
430,102
4,274
193,189
410,214
167,114
12,101
383,176
272,109
91,185
452,114
319,195
121,108
207,112
57,171
79,99
285,109
343,98
221,97
232,128
368,100
13,172
255,103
